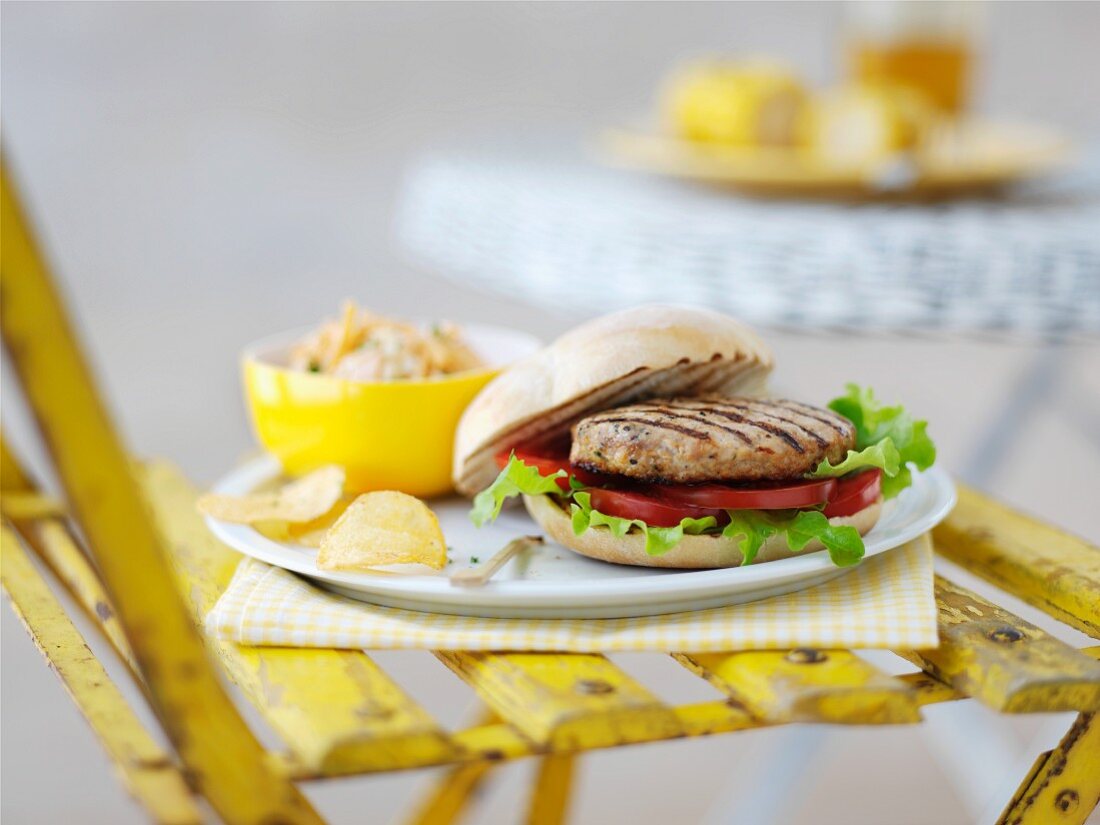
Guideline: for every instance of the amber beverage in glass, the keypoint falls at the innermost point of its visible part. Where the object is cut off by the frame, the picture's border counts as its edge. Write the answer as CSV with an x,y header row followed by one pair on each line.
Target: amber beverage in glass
x,y
926,46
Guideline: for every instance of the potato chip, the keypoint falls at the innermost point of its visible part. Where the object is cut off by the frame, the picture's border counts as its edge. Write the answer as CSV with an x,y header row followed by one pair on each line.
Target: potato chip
x,y
303,500
310,533
305,533
383,528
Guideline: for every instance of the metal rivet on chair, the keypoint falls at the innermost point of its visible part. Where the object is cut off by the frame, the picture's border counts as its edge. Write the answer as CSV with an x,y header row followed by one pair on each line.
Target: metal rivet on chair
x,y
806,656
1006,634
594,686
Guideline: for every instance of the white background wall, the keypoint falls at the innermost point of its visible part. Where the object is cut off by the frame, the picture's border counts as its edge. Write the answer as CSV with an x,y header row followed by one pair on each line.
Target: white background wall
x,y
204,174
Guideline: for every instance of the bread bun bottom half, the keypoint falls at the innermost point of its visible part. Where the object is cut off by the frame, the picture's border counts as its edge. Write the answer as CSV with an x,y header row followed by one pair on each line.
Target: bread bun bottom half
x,y
692,553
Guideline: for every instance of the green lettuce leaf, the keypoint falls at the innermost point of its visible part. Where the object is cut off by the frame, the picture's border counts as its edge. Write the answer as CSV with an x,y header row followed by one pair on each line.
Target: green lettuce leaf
x,y
883,455
875,425
754,527
658,540
798,528
517,478
845,544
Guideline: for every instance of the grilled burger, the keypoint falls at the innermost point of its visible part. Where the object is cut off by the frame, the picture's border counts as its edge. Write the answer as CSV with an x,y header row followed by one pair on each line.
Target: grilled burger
x,y
698,440
710,478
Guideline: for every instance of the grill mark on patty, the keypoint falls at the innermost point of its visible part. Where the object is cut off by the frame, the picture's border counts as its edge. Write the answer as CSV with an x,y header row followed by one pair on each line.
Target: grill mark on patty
x,y
661,425
779,432
755,408
845,428
715,407
676,413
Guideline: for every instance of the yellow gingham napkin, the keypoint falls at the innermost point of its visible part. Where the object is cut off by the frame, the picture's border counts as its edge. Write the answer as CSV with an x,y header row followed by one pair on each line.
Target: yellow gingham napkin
x,y
886,602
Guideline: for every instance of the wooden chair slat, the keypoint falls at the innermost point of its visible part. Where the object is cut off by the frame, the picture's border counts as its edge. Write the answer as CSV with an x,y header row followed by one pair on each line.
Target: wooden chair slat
x,y
494,742
1064,784
147,770
1056,572
501,741
1002,660
55,544
928,689
567,701
806,685
336,709
722,716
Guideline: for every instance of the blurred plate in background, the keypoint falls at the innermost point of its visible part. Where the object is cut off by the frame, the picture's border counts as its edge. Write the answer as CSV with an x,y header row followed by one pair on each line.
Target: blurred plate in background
x,y
972,157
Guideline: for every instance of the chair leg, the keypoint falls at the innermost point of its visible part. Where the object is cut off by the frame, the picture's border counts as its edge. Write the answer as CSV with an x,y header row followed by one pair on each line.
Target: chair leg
x,y
1064,784
550,796
450,797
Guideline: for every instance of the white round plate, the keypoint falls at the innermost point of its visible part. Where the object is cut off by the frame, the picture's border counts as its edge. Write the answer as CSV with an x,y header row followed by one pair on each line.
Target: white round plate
x,y
550,581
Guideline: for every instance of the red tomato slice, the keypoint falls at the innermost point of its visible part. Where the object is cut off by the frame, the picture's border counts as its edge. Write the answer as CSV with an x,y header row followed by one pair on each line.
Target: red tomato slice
x,y
547,463
855,493
629,504
782,495
665,505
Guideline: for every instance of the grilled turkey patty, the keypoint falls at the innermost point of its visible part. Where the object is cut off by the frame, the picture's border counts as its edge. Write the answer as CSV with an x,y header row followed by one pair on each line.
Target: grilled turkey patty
x,y
690,440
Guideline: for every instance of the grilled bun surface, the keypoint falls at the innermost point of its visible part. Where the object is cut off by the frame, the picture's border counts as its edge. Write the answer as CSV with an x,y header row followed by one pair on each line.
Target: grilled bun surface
x,y
626,357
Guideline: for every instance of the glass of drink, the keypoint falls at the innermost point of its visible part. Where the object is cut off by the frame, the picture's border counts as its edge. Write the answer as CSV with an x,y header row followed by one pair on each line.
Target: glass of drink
x,y
922,45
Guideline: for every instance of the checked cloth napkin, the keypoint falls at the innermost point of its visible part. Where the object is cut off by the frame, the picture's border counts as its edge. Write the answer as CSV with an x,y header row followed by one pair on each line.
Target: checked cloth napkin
x,y
886,602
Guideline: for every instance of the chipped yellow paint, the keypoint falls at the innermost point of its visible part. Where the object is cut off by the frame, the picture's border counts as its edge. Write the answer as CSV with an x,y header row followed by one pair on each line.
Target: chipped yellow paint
x,y
147,771
336,709
1064,784
222,757
1053,570
448,800
707,718
549,802
56,546
1007,663
928,689
499,741
566,700
805,685
494,742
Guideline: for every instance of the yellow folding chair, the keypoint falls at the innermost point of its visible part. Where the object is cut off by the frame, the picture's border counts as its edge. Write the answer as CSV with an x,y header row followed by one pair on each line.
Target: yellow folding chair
x,y
127,545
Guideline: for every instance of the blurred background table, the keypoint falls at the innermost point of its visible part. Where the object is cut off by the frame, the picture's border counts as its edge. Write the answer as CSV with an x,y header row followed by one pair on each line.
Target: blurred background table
x,y
579,237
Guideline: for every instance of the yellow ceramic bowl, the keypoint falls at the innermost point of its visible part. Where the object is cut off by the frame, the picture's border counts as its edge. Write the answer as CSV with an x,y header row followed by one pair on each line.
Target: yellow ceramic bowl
x,y
388,435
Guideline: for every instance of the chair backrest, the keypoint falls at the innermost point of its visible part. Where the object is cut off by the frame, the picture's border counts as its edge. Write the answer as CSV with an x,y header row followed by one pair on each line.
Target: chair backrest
x,y
223,759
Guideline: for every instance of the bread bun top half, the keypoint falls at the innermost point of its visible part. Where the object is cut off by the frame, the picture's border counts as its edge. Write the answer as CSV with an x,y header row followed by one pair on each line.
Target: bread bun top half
x,y
622,358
